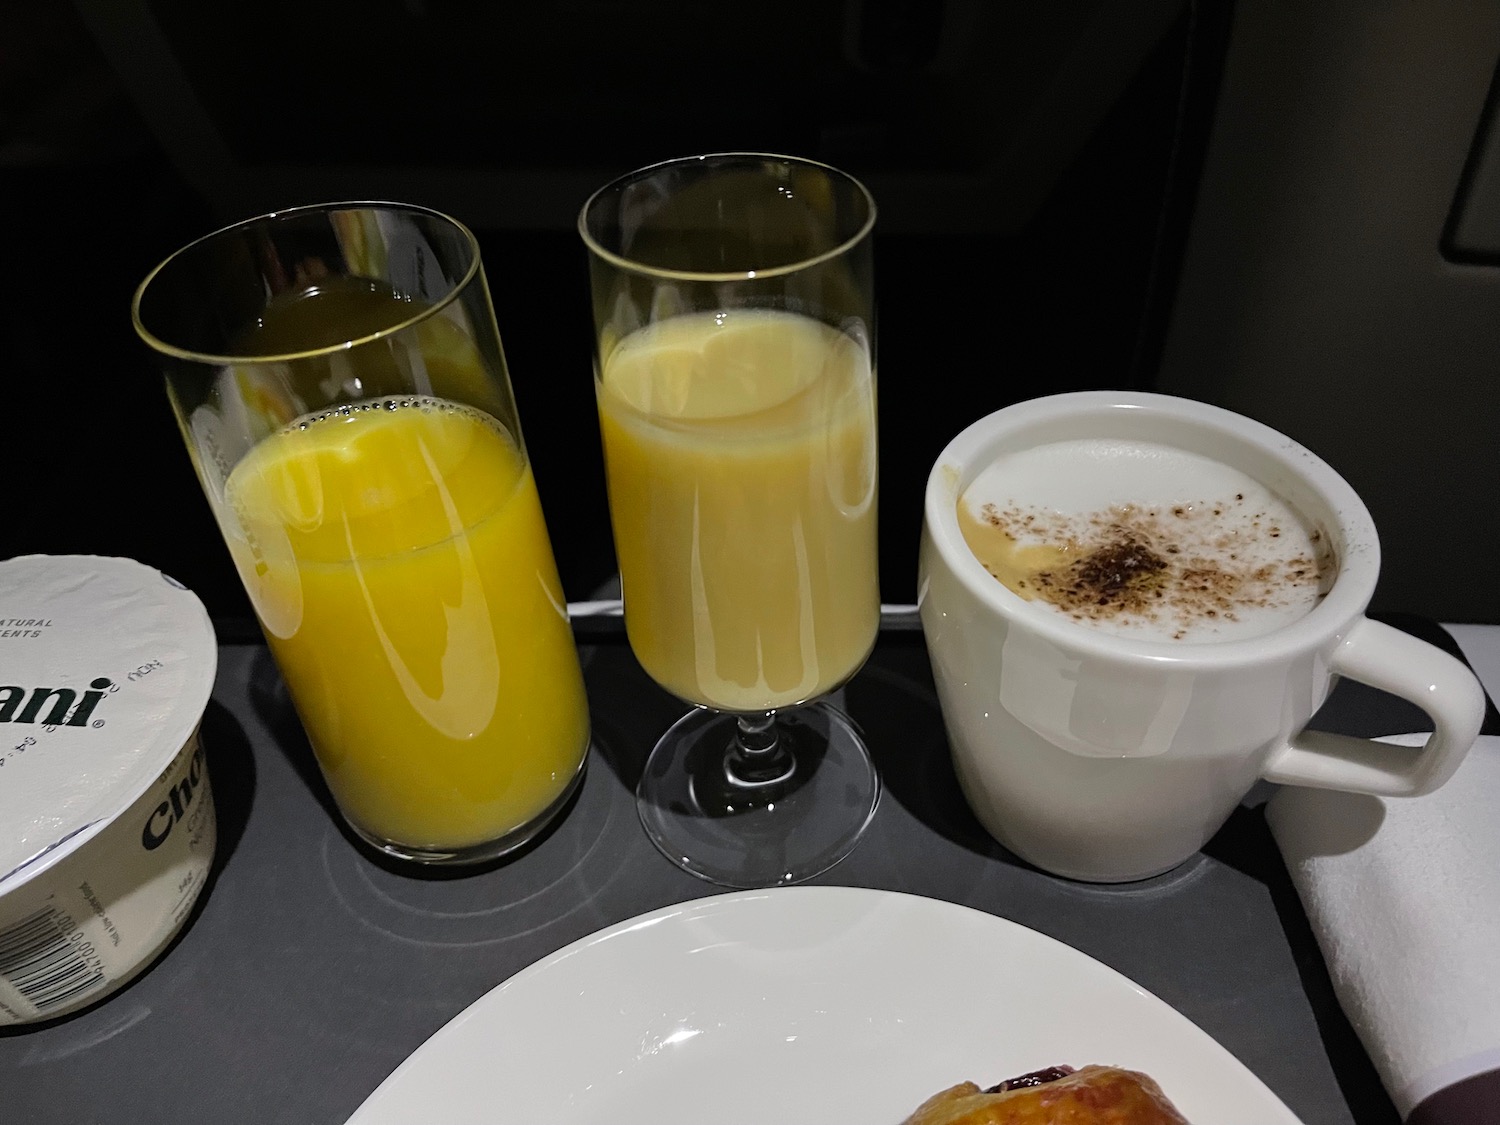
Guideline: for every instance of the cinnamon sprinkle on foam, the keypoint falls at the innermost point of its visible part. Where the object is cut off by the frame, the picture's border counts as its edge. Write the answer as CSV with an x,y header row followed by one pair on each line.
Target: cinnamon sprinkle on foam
x,y
1174,567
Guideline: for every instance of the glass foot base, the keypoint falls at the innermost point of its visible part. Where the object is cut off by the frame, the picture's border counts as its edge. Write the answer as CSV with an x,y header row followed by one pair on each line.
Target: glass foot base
x,y
475,853
794,816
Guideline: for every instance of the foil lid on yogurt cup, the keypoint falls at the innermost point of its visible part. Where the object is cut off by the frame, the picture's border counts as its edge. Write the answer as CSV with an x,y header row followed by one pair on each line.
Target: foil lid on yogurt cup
x,y
106,666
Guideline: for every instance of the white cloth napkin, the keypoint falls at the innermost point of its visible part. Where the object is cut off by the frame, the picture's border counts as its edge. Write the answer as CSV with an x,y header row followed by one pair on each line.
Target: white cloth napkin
x,y
1404,897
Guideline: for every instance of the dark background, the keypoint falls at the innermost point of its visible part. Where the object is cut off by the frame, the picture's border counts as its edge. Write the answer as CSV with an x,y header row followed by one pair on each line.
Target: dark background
x,y
1037,168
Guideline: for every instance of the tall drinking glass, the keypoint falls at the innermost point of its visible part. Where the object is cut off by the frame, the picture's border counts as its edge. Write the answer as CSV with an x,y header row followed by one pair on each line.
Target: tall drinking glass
x,y
735,374
338,378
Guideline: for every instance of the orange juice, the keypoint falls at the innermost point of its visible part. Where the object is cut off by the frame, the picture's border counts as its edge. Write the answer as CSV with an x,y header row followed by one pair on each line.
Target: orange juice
x,y
396,554
740,453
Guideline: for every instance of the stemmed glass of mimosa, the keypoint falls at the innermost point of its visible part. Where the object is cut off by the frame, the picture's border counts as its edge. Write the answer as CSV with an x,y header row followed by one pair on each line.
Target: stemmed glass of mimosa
x,y
734,318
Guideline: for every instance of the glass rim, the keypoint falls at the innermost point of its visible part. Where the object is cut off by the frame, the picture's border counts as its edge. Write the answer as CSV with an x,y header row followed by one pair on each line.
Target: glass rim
x,y
156,343
619,261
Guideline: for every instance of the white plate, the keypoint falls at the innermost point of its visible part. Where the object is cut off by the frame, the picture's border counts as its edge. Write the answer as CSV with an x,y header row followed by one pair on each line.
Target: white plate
x,y
806,1005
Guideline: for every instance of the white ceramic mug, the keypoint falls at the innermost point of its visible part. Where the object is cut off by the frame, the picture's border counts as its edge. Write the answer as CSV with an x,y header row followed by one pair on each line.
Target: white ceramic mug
x,y
1108,758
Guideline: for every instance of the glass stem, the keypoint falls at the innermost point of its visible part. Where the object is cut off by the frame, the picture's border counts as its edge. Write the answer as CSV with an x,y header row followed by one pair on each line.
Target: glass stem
x,y
758,757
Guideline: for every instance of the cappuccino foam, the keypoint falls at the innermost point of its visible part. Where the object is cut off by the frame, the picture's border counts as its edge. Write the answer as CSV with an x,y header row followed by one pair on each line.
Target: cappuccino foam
x,y
1145,540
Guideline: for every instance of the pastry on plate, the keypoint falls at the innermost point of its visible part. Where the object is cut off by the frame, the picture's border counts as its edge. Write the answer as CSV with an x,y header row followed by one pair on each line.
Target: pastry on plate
x,y
1060,1095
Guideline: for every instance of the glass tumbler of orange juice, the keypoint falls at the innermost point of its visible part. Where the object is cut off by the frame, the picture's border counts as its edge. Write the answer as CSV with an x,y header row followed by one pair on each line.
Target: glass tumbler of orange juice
x,y
734,317
337,375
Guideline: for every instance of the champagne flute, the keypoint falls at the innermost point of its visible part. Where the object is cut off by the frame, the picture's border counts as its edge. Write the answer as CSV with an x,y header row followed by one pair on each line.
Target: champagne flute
x,y
734,324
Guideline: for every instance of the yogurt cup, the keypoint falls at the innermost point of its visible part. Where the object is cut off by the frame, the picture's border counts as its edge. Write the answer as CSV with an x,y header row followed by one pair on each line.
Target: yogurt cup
x,y
107,826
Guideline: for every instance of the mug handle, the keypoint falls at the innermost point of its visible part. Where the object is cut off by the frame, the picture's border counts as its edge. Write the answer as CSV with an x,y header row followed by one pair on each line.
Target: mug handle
x,y
1386,658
